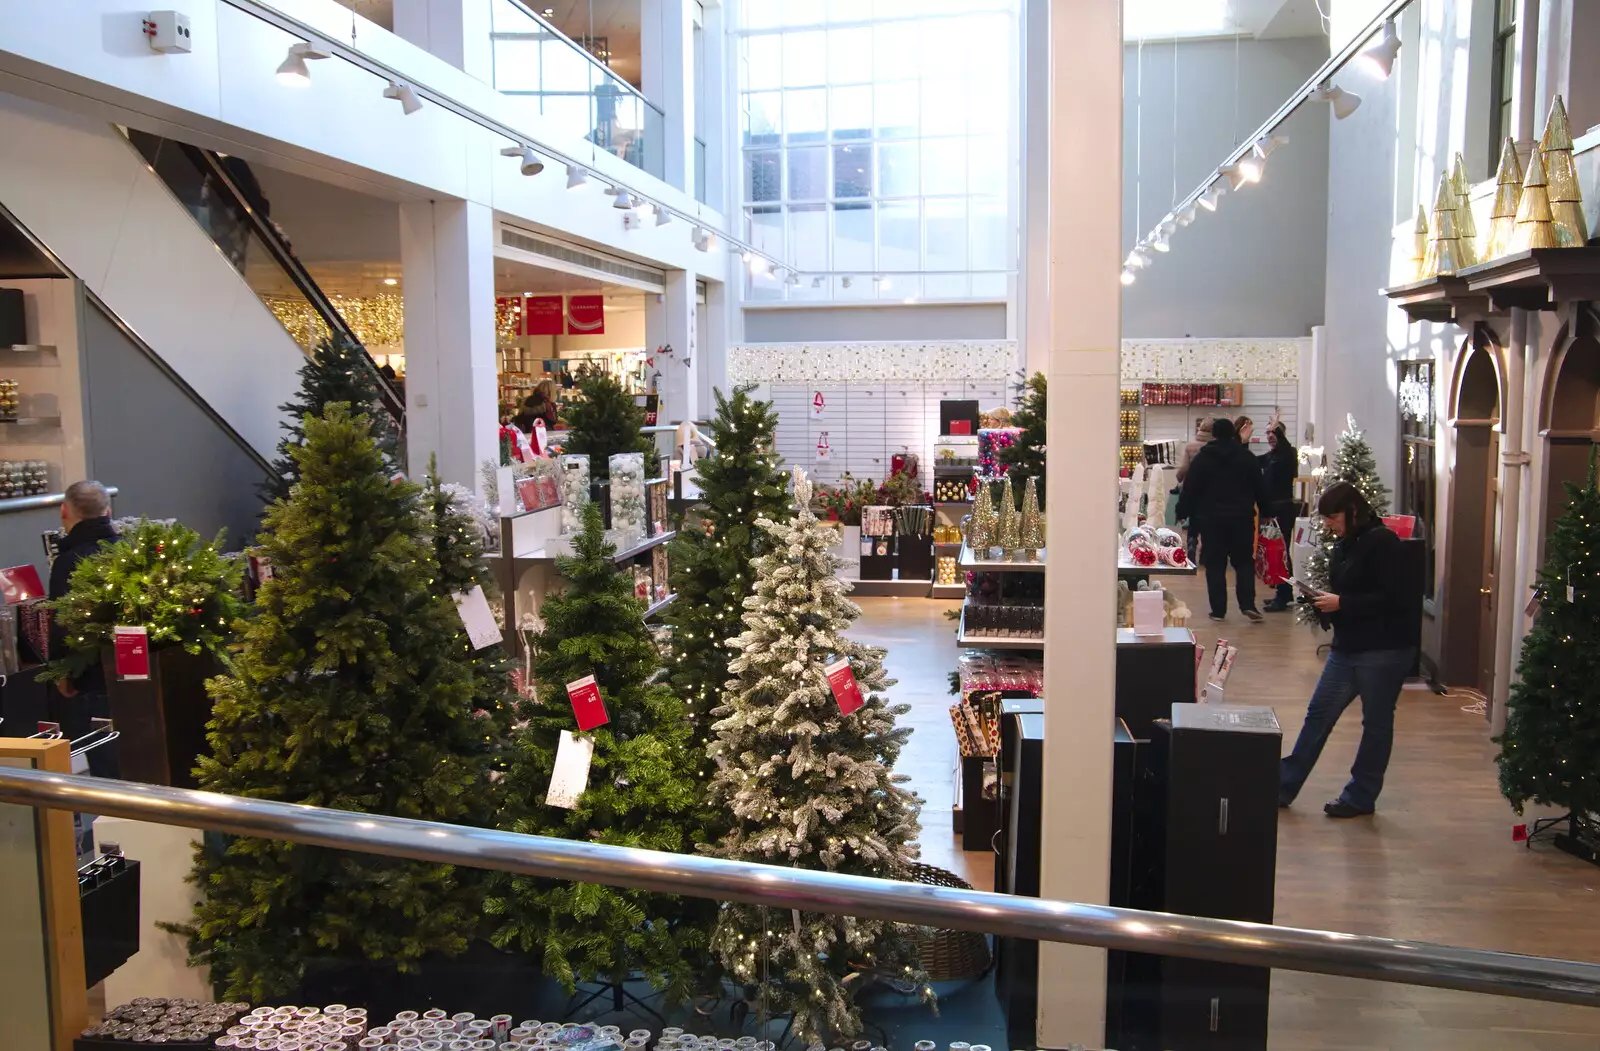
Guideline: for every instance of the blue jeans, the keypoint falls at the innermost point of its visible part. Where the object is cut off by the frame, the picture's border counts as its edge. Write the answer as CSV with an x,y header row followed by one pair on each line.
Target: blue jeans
x,y
1376,677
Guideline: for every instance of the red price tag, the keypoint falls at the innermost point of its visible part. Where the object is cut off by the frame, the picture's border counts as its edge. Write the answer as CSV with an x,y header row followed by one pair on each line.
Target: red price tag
x,y
843,683
132,647
1519,833
584,694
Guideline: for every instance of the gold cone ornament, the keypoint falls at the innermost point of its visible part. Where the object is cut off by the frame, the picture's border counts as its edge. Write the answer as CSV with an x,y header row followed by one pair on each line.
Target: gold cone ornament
x,y
1419,245
1466,225
1507,192
1443,256
1566,199
1536,227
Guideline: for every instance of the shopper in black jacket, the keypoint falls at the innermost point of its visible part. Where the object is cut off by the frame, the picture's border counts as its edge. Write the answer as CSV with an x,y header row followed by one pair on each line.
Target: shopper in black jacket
x,y
1279,468
1365,604
1221,493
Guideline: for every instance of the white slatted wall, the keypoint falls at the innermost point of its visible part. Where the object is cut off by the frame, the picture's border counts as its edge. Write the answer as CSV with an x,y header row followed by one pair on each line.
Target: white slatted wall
x,y
866,424
1261,402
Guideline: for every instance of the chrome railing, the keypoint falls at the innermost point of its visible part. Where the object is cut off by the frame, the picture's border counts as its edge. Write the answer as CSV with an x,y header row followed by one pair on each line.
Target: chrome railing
x,y
1224,941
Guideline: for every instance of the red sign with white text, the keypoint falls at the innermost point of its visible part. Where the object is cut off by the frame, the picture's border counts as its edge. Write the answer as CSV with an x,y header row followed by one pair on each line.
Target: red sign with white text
x,y
541,316
132,648
20,584
586,315
584,694
842,681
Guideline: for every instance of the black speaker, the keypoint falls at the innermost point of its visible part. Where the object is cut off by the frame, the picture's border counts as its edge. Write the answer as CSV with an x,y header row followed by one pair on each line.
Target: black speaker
x,y
13,318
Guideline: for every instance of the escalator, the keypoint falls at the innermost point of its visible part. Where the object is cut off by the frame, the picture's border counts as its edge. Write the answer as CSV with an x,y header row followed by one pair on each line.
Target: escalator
x,y
222,195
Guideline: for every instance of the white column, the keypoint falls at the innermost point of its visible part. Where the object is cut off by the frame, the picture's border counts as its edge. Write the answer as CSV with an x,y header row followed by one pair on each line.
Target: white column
x,y
454,30
1080,639
666,42
447,262
718,85
1033,284
711,363
670,321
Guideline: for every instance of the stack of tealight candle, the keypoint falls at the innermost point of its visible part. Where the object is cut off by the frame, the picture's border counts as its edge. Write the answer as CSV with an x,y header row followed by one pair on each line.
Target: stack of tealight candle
x,y
163,1020
332,1028
675,1039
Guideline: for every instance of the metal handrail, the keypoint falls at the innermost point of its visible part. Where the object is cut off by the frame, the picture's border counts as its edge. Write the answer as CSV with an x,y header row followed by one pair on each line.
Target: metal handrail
x,y
1130,930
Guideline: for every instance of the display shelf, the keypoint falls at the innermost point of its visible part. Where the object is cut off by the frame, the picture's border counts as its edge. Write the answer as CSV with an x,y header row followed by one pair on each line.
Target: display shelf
x,y
948,543
645,545
657,607
35,421
30,348
14,504
1128,569
952,503
948,591
984,565
989,642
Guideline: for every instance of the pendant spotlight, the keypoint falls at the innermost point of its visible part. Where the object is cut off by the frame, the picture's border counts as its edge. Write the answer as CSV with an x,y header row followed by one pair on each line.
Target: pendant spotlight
x,y
1381,56
576,177
816,282
406,95
1211,197
624,200
1344,102
531,164
663,217
1188,214
844,282
1128,276
704,239
293,72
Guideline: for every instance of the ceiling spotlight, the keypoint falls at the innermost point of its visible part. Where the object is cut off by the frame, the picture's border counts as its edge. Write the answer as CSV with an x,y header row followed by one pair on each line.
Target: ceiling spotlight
x,y
624,200
1213,194
1188,214
1128,276
1137,259
1381,56
1344,102
663,217
844,282
884,282
1167,227
816,282
405,94
293,72
1162,241
793,280
531,164
576,177
1268,143
746,257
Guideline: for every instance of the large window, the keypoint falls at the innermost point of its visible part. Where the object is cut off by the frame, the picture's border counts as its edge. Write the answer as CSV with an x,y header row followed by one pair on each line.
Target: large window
x,y
1503,73
1417,485
878,138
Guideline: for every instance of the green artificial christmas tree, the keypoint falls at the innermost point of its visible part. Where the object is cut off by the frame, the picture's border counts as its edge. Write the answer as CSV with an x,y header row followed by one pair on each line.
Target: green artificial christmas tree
x,y
1026,455
810,787
740,483
159,574
1353,463
352,690
641,789
337,371
1550,750
457,523
603,421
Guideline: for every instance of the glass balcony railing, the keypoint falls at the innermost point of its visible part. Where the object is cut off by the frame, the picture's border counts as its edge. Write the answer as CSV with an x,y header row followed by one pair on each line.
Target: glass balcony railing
x,y
558,79
740,957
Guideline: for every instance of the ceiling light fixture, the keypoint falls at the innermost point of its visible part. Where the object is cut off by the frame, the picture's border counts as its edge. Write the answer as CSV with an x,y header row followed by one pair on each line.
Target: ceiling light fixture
x,y
704,239
391,281
531,164
844,282
1161,242
1380,56
1268,143
404,94
576,177
293,72
1128,276
663,217
1188,214
1137,259
624,200
1344,102
1212,195
816,282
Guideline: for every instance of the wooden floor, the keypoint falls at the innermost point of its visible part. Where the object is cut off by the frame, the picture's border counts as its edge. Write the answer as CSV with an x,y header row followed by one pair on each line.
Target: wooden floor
x,y
1436,863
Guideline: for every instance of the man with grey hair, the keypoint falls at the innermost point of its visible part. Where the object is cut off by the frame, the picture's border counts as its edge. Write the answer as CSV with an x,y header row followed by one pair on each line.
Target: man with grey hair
x,y
85,528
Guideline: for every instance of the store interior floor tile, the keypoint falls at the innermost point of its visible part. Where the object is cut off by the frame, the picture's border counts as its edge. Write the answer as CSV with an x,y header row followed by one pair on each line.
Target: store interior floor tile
x,y
1436,863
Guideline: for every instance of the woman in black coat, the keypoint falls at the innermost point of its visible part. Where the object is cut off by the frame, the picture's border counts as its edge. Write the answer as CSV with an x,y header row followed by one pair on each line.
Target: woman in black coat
x,y
1280,465
1365,604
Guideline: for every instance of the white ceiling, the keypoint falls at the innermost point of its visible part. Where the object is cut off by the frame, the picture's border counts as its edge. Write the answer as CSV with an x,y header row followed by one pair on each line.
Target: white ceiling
x,y
1165,19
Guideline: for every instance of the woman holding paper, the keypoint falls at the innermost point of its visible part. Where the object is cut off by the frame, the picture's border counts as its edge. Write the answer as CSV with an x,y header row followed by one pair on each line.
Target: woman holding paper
x,y
1365,606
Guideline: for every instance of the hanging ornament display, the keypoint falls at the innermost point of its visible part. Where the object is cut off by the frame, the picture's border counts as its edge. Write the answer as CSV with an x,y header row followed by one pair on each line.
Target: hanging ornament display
x,y
1466,225
1443,257
1561,176
1507,191
1536,227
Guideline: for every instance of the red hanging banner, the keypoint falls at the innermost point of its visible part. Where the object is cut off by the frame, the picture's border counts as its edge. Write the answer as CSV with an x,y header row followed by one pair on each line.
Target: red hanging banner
x,y
541,316
586,315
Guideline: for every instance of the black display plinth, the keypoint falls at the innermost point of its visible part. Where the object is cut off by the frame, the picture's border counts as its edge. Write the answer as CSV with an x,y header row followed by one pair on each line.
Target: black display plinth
x,y
110,911
980,817
162,719
1154,672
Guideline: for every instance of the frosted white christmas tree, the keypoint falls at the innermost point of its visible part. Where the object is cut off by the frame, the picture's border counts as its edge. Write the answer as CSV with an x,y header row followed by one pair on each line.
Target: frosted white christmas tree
x,y
1353,463
810,787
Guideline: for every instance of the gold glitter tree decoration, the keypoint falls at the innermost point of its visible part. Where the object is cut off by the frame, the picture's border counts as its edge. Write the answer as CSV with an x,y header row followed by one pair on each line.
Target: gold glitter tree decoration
x,y
1536,227
1443,257
1566,200
1419,245
1466,225
1009,538
1032,522
1507,192
983,527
